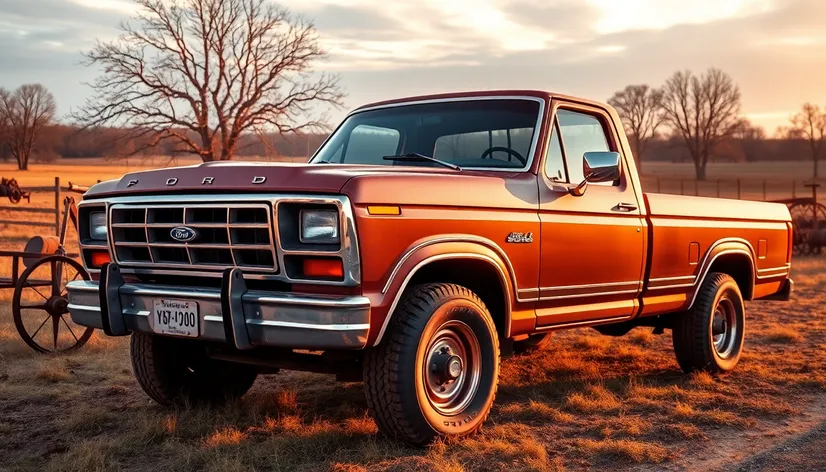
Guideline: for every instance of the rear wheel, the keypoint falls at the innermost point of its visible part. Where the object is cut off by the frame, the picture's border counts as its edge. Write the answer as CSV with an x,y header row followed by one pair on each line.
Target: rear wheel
x,y
710,336
436,372
174,370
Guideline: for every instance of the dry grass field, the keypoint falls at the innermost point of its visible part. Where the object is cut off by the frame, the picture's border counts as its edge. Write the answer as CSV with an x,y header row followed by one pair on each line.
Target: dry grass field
x,y
590,402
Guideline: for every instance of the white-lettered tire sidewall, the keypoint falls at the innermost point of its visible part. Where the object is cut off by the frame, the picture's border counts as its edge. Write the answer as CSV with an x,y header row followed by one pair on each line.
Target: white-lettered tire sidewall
x,y
729,287
469,419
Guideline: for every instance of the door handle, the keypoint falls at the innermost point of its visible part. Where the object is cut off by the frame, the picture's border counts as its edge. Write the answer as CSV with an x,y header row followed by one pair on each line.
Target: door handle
x,y
626,207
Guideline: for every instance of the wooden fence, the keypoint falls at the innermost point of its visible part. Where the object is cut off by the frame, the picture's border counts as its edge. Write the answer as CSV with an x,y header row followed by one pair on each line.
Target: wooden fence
x,y
56,211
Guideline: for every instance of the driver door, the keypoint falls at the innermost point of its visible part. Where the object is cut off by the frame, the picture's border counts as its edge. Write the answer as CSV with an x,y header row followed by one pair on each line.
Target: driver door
x,y
592,250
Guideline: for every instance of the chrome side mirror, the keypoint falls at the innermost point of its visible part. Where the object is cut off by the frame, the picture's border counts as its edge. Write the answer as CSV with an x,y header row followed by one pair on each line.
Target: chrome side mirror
x,y
598,167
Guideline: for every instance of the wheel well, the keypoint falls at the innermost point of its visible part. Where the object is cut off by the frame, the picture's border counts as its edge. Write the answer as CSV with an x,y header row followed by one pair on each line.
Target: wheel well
x,y
738,266
478,275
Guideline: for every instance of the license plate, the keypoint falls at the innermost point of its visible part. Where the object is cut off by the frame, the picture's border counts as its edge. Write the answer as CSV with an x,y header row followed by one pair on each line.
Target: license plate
x,y
176,317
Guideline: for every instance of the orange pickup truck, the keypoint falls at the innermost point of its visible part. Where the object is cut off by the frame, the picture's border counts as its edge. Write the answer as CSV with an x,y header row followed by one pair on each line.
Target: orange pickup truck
x,y
426,238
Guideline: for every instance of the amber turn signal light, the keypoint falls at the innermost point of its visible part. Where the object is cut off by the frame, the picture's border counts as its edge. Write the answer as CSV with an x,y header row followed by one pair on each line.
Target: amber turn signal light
x,y
384,210
98,258
316,267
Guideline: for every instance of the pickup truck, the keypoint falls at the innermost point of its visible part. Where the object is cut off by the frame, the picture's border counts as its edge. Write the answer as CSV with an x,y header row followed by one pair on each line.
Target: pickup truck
x,y
426,238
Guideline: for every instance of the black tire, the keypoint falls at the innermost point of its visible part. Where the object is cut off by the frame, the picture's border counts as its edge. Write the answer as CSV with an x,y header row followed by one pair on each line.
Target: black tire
x,y
694,331
534,342
399,373
175,371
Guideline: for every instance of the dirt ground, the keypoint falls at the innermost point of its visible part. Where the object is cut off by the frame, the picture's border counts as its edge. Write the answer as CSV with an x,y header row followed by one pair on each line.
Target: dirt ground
x,y
588,403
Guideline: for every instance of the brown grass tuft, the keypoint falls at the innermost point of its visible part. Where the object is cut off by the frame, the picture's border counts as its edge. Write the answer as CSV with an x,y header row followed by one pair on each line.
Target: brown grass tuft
x,y
783,335
54,370
641,336
595,399
625,450
227,436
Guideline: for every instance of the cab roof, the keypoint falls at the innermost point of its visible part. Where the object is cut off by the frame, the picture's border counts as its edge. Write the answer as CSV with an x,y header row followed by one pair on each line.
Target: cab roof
x,y
540,94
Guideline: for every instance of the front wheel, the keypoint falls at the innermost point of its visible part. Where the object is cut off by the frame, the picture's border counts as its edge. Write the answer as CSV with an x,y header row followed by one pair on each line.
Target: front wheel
x,y
436,372
709,337
172,371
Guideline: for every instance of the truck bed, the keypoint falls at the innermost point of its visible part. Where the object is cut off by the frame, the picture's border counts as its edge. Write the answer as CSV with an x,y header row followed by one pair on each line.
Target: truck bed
x,y
691,236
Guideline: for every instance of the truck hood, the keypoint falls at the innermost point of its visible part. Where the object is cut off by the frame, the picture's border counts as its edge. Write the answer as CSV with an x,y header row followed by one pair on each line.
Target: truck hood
x,y
401,185
235,177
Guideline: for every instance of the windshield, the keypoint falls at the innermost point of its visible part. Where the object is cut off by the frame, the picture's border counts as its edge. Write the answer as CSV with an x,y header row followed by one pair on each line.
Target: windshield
x,y
474,133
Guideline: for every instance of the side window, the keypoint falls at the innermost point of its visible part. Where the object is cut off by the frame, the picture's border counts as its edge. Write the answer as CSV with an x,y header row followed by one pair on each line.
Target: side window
x,y
554,162
369,145
581,133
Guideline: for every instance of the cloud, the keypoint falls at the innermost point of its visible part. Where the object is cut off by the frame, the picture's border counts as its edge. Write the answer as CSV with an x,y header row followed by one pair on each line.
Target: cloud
x,y
773,48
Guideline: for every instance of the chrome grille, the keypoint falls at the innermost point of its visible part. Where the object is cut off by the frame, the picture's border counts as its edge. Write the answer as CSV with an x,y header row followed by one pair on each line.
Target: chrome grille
x,y
228,235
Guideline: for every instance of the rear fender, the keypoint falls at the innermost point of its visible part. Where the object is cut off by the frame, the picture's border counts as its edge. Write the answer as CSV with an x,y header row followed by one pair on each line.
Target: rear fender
x,y
737,248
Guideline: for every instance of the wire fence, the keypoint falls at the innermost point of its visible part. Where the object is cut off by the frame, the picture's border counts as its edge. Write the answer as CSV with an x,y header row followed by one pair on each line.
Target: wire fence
x,y
741,189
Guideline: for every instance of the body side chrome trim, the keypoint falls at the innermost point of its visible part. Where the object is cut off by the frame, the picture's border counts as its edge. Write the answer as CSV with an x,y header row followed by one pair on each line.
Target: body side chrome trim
x,y
437,257
577,287
543,104
585,295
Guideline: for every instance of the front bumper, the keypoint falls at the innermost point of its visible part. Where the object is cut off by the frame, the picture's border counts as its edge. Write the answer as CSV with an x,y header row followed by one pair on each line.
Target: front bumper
x,y
232,314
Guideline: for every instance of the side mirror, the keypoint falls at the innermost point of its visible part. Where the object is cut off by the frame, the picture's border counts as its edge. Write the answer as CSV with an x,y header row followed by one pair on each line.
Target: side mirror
x,y
598,167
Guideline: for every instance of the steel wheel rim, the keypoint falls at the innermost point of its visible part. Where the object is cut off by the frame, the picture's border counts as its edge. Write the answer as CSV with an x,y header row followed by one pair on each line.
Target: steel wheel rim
x,y
453,368
724,328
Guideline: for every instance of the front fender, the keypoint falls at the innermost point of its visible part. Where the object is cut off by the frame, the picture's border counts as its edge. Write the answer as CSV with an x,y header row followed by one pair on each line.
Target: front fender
x,y
423,252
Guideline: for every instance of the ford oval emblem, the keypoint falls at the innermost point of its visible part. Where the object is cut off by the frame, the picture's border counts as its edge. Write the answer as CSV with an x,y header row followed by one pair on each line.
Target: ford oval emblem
x,y
183,234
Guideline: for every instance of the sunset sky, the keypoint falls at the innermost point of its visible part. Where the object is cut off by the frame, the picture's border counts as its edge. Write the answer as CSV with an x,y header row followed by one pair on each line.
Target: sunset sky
x,y
775,49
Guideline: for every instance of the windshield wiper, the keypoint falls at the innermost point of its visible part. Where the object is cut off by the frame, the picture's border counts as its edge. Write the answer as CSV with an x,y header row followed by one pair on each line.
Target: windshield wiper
x,y
416,157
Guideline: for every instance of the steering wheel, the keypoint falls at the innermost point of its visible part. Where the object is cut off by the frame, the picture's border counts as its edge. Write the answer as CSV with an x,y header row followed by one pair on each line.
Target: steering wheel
x,y
508,150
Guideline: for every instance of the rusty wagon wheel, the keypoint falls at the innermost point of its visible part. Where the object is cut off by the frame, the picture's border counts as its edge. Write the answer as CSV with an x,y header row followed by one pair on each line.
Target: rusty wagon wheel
x,y
15,195
40,306
805,240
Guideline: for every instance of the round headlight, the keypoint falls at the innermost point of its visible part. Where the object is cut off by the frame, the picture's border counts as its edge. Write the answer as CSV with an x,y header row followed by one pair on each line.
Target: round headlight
x,y
97,225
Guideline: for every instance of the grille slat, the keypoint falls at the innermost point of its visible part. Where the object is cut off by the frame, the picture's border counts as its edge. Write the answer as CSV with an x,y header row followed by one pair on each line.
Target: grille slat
x,y
229,235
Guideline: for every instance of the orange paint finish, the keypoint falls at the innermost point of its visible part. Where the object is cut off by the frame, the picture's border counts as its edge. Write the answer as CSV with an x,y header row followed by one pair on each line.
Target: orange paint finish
x,y
611,254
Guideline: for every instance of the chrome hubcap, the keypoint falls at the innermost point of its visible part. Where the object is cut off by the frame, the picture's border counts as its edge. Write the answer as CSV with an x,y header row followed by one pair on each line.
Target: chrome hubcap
x,y
453,368
724,328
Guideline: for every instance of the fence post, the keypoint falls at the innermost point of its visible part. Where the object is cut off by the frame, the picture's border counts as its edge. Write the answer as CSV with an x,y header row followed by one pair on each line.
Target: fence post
x,y
57,206
738,189
764,190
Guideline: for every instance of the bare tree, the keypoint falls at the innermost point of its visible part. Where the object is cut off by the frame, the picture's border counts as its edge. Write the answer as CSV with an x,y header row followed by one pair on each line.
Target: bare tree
x,y
810,125
639,107
201,73
26,112
703,110
752,140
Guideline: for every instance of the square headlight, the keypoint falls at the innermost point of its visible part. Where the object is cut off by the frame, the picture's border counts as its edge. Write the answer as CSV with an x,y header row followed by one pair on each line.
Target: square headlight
x,y
319,227
97,225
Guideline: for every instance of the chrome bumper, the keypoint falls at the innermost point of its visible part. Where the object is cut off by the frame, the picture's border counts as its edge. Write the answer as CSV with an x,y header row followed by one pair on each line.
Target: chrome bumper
x,y
232,314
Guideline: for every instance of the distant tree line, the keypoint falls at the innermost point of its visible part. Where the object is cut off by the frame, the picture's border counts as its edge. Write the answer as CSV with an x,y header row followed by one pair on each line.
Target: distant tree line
x,y
698,117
